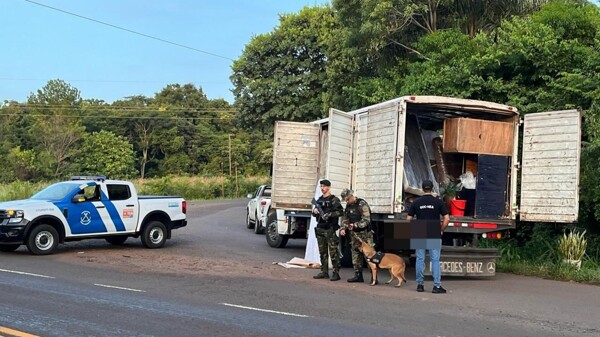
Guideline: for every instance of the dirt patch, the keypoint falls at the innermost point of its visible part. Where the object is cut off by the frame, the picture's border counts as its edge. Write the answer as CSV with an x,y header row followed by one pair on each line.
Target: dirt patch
x,y
140,260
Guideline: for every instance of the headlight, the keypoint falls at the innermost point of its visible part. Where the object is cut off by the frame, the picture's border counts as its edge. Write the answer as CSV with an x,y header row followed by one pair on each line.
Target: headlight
x,y
15,216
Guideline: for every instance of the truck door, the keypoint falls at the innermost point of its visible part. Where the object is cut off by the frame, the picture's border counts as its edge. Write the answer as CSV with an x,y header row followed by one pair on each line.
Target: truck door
x,y
122,208
339,161
550,166
83,215
378,156
295,164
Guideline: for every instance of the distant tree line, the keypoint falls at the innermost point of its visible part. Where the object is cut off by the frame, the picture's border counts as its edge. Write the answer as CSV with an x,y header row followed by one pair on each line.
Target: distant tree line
x,y
179,131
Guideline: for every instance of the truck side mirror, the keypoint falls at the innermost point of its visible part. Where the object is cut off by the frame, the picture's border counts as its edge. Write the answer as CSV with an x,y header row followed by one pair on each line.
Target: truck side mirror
x,y
249,196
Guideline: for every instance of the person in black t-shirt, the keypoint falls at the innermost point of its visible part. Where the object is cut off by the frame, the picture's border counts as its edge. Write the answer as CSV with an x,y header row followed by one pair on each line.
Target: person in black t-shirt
x,y
429,207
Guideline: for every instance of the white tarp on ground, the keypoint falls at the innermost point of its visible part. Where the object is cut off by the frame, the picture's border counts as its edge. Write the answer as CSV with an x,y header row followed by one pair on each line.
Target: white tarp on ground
x,y
298,263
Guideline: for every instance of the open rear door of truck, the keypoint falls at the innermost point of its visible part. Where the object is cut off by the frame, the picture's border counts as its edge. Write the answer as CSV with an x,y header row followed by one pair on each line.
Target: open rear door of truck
x,y
550,166
377,155
339,157
295,164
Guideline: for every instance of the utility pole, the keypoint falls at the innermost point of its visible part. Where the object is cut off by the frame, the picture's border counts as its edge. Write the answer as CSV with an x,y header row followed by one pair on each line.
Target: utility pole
x,y
229,154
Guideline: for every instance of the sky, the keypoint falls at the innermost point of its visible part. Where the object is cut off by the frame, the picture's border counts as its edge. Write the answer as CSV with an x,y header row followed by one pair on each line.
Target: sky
x,y
38,44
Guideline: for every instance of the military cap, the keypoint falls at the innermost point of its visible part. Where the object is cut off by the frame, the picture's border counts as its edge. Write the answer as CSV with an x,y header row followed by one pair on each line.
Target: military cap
x,y
346,192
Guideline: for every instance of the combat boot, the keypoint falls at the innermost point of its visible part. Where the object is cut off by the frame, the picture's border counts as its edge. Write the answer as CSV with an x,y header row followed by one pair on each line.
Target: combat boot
x,y
335,276
321,275
357,277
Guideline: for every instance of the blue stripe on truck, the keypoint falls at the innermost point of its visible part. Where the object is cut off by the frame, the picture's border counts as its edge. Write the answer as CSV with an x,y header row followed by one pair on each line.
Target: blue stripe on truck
x,y
113,212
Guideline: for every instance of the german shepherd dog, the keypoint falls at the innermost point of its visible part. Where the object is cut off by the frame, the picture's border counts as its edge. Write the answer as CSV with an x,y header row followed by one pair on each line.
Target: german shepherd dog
x,y
389,261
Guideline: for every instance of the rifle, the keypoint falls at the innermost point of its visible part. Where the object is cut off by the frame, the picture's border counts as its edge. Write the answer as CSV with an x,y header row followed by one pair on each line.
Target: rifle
x,y
316,204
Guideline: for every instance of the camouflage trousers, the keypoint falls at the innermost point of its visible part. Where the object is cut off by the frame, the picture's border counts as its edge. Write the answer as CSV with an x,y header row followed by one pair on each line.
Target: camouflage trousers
x,y
328,246
358,257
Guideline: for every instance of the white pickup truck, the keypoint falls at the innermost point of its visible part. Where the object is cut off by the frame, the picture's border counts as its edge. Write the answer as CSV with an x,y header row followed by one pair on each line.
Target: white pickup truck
x,y
257,205
88,207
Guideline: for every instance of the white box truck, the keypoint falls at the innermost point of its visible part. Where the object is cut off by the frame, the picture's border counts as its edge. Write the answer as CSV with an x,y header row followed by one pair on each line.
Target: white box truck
x,y
525,167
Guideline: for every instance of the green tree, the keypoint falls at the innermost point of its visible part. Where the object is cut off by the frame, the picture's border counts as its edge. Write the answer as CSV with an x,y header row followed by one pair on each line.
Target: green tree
x,y
282,75
56,109
386,37
107,154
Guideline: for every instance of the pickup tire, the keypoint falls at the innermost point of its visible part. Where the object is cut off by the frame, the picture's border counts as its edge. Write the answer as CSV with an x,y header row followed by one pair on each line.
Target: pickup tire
x,y
274,239
9,248
42,240
249,223
258,229
116,240
154,235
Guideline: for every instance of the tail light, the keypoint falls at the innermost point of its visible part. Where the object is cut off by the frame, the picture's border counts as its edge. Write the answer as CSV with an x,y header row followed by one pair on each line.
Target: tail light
x,y
492,236
184,207
263,203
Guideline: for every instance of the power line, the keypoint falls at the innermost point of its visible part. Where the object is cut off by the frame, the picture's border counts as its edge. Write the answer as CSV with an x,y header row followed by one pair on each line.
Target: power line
x,y
129,30
120,117
122,108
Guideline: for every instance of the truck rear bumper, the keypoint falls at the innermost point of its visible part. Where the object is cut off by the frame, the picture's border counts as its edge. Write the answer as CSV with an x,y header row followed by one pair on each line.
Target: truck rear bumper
x,y
466,261
178,224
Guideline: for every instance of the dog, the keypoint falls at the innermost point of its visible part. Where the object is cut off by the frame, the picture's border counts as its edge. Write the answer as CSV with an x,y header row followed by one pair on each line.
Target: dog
x,y
393,262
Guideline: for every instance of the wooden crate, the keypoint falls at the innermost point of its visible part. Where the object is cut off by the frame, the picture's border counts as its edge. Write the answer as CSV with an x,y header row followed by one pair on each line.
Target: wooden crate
x,y
468,135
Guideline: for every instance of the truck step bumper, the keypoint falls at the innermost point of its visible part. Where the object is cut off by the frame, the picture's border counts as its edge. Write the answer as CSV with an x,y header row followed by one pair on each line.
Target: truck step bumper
x,y
465,261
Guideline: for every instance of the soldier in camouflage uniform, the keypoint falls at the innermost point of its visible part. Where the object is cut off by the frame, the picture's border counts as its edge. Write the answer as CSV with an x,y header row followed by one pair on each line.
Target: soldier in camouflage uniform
x,y
327,225
357,220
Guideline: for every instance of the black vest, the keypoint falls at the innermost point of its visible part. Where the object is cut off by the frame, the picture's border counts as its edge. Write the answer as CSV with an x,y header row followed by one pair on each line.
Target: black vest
x,y
354,214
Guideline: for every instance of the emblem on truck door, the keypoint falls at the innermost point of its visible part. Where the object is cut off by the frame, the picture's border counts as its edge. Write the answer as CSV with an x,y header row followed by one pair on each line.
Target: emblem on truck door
x,y
86,218
491,267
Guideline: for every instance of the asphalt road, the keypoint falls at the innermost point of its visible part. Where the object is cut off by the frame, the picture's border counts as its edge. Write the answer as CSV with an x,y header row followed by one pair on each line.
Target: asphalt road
x,y
217,278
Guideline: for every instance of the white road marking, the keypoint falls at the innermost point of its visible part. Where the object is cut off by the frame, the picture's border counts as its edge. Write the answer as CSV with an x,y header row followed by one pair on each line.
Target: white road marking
x,y
24,273
264,310
122,288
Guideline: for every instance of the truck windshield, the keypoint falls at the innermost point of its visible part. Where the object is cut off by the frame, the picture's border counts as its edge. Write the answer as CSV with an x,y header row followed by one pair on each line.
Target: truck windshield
x,y
56,192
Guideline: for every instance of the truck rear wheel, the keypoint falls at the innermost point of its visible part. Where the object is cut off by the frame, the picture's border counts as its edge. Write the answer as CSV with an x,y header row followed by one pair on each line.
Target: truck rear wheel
x,y
154,235
274,239
346,244
9,248
42,240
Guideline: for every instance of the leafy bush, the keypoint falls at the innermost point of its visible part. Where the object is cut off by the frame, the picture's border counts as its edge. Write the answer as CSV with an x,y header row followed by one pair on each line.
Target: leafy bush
x,y
20,190
191,188
200,188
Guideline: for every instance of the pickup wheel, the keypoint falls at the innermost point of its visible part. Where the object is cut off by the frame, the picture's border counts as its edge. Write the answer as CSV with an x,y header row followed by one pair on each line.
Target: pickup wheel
x,y
116,240
154,235
9,248
274,239
249,223
42,240
258,229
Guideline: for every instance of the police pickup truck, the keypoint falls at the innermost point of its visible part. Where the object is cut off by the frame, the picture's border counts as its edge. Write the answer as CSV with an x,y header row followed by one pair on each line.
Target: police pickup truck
x,y
88,207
